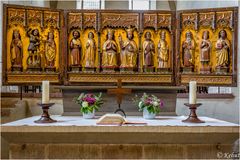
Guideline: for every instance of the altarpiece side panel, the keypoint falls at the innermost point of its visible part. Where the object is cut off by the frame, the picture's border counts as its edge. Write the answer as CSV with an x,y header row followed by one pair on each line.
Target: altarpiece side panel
x,y
31,50
207,47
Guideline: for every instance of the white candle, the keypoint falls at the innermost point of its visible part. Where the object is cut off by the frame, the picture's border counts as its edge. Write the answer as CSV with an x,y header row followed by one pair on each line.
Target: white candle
x,y
45,92
192,92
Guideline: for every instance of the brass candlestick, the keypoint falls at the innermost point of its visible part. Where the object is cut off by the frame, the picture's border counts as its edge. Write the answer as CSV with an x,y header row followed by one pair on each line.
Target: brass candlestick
x,y
193,118
45,117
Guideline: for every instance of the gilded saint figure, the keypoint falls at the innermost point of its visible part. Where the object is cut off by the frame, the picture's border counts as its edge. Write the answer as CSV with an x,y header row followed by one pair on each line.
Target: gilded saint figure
x,y
50,50
34,58
109,57
222,49
205,49
148,50
89,57
75,49
16,49
128,50
188,48
163,51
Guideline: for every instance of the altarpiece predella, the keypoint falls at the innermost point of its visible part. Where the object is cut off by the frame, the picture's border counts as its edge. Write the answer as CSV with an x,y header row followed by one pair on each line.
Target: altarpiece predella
x,y
74,47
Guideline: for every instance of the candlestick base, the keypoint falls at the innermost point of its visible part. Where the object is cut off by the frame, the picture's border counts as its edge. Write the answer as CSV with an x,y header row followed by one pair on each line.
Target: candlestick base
x,y
45,117
193,118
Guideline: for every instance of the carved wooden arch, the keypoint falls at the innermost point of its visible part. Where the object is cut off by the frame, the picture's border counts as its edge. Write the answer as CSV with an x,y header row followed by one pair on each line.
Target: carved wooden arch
x,y
189,20
224,19
34,17
207,20
119,20
74,21
150,21
165,21
90,21
16,17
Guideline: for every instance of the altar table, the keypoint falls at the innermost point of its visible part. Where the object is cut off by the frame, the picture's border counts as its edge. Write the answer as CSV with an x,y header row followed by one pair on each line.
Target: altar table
x,y
163,137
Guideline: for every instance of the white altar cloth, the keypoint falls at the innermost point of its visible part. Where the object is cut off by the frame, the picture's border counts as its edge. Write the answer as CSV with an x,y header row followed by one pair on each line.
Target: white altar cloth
x,y
158,121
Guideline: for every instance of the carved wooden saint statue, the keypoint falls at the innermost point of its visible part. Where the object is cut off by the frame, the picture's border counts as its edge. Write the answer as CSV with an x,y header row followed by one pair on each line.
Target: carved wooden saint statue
x,y
163,51
109,57
89,56
16,50
188,48
222,50
34,59
128,50
205,50
76,49
148,51
50,50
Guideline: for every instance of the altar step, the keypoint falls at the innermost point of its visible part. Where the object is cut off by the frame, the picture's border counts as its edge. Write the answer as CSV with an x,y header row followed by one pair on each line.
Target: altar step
x,y
12,109
5,112
6,106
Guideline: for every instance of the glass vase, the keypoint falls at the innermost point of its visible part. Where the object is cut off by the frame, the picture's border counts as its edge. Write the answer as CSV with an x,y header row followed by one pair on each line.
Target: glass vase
x,y
148,115
89,115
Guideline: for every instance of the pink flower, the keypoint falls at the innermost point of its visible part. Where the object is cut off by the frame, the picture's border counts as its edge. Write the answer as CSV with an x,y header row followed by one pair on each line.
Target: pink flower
x,y
148,101
90,100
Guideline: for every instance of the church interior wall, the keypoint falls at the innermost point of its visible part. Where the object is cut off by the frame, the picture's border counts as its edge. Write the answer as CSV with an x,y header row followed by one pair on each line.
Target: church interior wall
x,y
162,5
116,5
68,5
159,5
182,5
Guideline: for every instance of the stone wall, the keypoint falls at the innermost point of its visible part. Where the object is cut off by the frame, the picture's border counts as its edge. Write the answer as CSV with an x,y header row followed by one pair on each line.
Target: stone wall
x,y
116,4
198,4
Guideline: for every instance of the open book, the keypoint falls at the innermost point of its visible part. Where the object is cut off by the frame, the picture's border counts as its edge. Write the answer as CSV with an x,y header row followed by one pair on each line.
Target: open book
x,y
115,119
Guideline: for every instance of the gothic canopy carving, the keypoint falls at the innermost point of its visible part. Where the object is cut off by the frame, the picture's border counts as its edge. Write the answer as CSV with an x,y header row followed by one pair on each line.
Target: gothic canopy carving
x,y
34,17
189,20
119,20
74,20
51,19
16,17
164,20
90,20
150,20
207,20
224,19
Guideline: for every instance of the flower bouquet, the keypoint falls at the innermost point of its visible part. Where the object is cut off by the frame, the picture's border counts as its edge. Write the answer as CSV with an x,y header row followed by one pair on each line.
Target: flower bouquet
x,y
150,105
89,103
